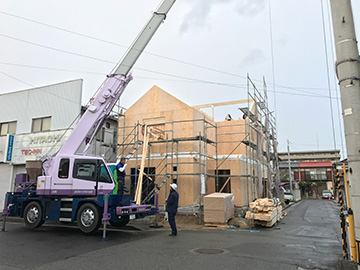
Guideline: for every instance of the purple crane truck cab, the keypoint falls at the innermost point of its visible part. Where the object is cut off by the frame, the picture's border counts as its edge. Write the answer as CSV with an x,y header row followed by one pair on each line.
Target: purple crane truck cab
x,y
72,175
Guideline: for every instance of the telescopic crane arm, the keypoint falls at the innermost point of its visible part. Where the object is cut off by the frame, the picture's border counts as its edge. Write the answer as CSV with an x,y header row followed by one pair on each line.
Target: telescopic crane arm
x,y
111,90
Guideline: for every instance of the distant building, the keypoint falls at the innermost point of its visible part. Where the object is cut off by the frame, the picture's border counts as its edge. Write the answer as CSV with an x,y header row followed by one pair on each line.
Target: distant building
x,y
36,122
313,167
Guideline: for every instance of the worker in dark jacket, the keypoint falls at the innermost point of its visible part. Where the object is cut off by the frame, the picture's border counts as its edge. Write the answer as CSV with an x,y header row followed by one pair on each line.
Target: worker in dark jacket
x,y
171,207
120,170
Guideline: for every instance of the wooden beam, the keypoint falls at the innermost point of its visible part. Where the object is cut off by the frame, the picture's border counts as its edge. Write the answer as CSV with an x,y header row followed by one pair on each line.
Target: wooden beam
x,y
223,103
139,182
147,176
227,181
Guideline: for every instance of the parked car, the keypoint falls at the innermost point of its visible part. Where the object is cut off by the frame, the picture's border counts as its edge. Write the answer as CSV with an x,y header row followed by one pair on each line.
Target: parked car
x,y
288,197
326,194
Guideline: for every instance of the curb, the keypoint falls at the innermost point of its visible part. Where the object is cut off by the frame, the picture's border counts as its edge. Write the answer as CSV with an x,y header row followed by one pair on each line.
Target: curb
x,y
291,204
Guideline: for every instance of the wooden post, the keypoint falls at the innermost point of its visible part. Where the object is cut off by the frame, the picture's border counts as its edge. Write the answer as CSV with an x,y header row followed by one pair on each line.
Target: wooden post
x,y
143,157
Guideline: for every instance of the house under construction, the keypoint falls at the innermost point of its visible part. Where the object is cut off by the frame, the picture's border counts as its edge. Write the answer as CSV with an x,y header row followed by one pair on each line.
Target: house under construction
x,y
166,141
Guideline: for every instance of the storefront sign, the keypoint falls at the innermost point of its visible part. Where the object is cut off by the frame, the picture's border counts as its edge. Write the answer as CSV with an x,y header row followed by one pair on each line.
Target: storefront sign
x,y
33,146
28,152
45,139
9,147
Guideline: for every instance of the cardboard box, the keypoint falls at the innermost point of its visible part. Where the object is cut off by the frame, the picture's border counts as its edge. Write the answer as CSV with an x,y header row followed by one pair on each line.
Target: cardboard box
x,y
218,207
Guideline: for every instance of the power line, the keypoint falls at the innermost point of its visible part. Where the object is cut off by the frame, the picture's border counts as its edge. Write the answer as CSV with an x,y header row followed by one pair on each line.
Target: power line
x,y
52,69
123,46
62,29
56,49
328,74
272,60
184,79
343,149
16,79
102,60
305,144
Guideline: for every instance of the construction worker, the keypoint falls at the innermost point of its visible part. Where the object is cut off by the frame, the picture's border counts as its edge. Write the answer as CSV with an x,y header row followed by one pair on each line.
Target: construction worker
x,y
120,170
171,208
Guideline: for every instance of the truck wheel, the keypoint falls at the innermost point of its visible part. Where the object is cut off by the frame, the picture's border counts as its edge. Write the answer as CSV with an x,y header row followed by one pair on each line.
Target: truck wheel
x,y
88,218
121,222
33,215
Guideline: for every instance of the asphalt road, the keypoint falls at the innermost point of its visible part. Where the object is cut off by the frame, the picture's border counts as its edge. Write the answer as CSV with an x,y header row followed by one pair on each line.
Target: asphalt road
x,y
307,238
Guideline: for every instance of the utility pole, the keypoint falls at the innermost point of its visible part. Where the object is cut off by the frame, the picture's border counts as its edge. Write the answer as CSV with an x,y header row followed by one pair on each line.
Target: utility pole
x,y
348,73
290,178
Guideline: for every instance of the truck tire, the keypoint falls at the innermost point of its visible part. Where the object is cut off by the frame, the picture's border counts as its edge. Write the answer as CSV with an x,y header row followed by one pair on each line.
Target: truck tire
x,y
121,222
88,218
33,215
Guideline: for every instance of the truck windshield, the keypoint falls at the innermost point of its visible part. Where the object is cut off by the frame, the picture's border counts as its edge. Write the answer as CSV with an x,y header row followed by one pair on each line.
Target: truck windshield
x,y
104,174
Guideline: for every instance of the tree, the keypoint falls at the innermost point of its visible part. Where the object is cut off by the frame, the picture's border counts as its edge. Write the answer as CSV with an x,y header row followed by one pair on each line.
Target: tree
x,y
318,184
305,187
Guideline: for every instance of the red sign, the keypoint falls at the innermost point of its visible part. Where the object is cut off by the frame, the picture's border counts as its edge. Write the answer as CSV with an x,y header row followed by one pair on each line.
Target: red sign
x,y
28,152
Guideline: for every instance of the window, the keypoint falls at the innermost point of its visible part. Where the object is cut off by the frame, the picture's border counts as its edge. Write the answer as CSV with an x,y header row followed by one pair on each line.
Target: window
x,y
101,135
91,170
104,174
85,169
224,183
8,128
41,124
64,168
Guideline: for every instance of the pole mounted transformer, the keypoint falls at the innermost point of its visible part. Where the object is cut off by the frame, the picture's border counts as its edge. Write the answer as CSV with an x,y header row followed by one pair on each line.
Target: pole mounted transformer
x,y
348,74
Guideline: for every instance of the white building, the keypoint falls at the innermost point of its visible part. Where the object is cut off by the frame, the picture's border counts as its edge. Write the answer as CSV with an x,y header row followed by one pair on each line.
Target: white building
x,y
34,123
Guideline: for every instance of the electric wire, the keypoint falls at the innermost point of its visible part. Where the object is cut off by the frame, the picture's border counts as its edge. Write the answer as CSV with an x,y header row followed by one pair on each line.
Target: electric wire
x,y
328,73
56,49
332,42
62,29
183,62
184,80
308,144
272,61
16,79
149,53
40,88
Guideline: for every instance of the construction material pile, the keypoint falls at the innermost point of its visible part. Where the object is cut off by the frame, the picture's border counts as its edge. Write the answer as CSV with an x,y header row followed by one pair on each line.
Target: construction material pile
x,y
265,212
218,208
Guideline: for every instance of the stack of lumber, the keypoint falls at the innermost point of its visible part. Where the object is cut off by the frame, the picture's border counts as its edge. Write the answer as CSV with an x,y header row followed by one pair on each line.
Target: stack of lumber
x,y
265,212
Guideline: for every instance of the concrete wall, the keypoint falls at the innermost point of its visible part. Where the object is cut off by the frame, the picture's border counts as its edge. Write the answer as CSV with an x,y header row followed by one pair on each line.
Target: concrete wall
x,y
5,172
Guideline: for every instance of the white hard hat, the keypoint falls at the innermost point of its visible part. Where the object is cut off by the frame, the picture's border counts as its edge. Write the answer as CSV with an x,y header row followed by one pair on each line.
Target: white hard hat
x,y
173,186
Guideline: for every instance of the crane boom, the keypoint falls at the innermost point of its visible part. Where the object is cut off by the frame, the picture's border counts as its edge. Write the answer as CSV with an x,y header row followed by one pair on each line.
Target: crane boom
x,y
143,38
111,90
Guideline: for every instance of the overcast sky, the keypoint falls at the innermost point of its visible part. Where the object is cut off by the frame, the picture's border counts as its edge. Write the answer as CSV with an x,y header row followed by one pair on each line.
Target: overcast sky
x,y
201,54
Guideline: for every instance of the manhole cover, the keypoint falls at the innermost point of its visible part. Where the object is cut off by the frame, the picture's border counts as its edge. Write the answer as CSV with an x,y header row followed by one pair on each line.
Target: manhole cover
x,y
208,251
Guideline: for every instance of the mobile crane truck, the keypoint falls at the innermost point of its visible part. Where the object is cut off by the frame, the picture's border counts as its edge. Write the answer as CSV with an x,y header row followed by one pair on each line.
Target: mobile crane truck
x,y
74,187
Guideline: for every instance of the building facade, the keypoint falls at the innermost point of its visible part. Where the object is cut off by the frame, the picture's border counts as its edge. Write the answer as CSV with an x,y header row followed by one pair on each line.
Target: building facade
x,y
312,170
189,148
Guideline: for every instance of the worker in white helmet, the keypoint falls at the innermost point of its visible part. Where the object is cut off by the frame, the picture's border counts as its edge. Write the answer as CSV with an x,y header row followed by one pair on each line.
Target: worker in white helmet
x,y
171,207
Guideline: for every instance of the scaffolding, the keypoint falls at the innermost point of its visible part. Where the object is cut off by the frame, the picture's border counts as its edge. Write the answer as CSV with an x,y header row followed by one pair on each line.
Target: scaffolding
x,y
211,156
